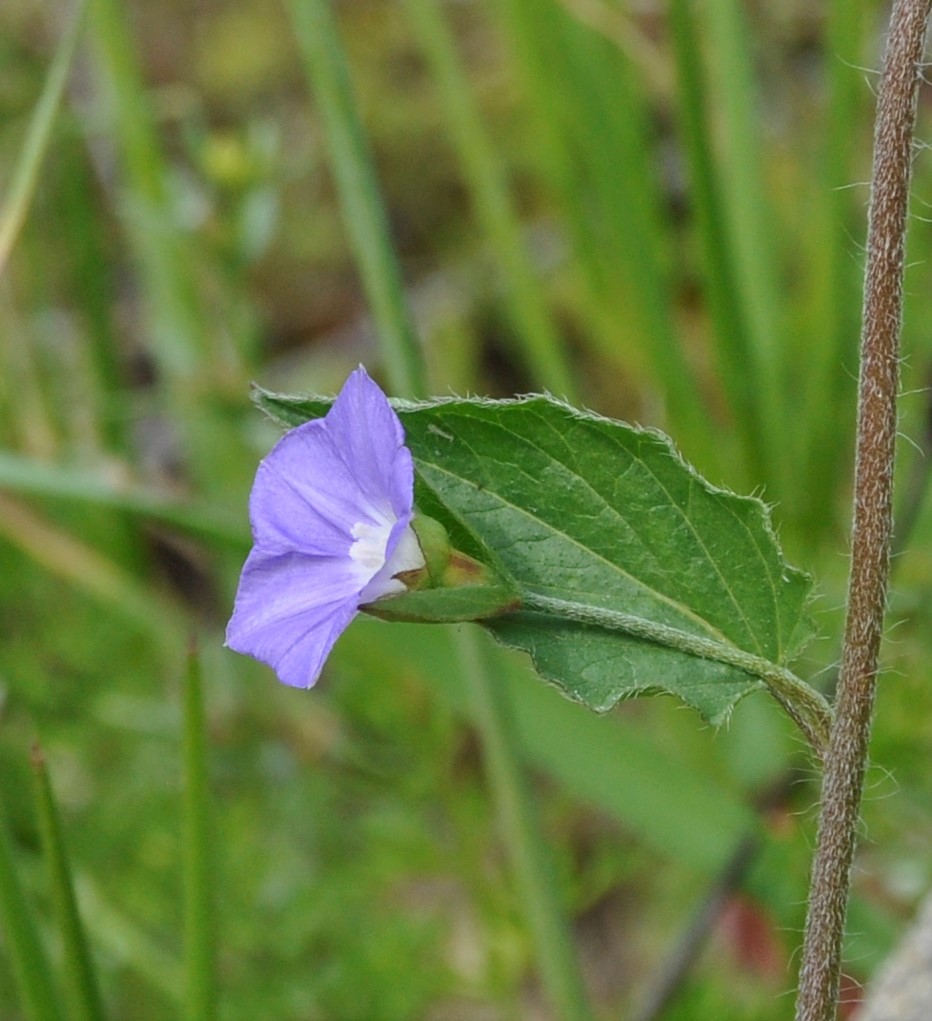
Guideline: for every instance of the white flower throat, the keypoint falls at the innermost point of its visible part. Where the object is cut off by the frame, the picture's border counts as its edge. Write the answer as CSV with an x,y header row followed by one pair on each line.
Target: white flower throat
x,y
368,550
368,553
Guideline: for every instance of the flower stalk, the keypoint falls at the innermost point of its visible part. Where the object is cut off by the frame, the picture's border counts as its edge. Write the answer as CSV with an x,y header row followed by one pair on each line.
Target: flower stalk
x,y
872,526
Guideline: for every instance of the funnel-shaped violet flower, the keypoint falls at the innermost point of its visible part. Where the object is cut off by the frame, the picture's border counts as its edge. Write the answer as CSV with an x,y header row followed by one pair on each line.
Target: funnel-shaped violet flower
x,y
331,513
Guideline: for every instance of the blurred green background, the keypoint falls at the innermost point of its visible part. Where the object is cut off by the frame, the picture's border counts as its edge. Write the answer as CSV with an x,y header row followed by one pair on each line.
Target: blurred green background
x,y
654,209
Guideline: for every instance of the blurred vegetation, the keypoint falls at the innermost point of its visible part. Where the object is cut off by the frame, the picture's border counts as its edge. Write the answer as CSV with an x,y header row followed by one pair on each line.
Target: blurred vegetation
x,y
655,209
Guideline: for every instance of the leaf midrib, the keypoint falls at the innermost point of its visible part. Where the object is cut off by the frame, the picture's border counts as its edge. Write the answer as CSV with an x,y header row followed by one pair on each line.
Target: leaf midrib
x,y
661,597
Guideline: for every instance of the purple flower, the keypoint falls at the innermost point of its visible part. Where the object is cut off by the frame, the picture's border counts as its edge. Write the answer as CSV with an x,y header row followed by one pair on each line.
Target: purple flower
x,y
331,513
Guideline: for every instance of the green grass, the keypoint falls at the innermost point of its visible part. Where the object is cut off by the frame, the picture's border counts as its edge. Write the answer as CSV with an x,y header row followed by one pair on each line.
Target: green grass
x,y
651,214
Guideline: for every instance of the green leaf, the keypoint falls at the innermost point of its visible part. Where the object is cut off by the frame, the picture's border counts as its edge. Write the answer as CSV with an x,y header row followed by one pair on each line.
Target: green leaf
x,y
578,510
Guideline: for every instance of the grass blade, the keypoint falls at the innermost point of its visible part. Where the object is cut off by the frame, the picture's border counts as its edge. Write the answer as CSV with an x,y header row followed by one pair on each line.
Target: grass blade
x,y
121,937
26,173
110,489
750,225
81,986
605,164
531,866
557,164
830,387
199,929
185,342
177,331
544,351
88,569
325,64
730,328
30,963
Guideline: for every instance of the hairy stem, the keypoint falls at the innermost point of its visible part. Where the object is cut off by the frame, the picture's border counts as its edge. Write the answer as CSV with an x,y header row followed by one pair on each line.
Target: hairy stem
x,y
873,519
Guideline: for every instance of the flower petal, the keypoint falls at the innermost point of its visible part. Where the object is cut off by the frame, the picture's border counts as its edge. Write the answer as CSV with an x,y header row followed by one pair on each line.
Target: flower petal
x,y
290,609
371,437
301,665
304,496
325,476
331,512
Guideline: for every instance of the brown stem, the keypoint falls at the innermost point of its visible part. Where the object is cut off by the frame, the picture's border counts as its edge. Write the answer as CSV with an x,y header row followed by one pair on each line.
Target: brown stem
x,y
873,520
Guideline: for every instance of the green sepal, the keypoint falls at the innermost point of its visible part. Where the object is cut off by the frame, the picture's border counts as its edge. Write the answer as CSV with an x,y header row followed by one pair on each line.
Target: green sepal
x,y
447,605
